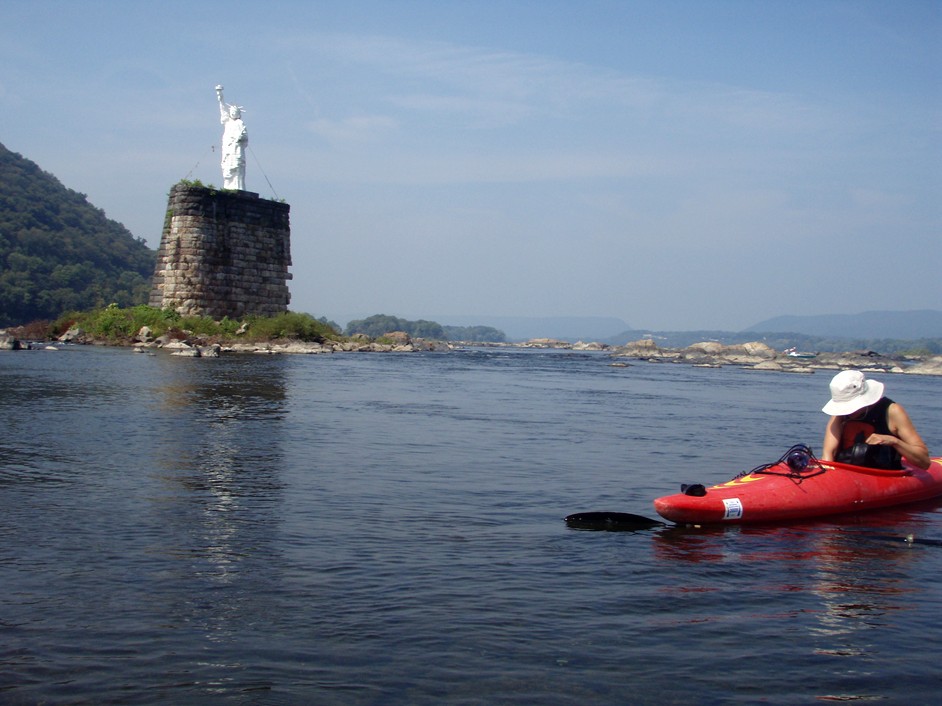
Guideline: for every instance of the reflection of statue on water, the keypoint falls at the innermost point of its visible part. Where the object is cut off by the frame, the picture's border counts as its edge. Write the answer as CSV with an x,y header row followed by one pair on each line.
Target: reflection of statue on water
x,y
234,140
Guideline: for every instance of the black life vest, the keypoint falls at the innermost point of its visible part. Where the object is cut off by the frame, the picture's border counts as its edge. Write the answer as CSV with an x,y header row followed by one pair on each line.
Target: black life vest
x,y
856,451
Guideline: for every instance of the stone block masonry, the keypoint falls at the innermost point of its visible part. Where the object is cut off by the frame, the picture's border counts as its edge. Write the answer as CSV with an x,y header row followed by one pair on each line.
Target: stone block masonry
x,y
223,253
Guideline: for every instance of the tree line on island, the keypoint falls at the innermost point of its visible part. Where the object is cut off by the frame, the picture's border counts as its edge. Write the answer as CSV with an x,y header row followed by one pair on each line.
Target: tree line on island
x,y
380,324
116,325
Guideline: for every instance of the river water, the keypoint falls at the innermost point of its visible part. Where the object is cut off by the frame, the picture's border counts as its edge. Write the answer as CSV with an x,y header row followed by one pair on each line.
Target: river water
x,y
387,529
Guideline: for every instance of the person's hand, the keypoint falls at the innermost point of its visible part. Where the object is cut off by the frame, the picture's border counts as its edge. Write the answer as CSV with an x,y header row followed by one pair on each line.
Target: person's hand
x,y
881,440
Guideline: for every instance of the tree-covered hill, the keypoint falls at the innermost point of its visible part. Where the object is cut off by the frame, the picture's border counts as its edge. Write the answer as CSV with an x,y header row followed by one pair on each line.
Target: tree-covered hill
x,y
60,253
379,324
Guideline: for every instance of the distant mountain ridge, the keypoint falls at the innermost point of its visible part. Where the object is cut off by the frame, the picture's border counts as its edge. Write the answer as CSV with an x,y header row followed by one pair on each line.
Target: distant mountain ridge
x,y
905,325
841,330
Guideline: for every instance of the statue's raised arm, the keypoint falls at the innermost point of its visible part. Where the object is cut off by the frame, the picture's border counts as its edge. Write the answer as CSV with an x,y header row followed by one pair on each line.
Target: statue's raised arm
x,y
234,140
223,106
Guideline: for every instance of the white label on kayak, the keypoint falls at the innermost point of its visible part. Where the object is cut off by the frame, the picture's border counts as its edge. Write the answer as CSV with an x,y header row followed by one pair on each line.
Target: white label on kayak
x,y
733,509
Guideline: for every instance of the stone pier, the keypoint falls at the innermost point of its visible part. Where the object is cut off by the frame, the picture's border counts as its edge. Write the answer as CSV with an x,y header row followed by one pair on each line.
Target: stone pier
x,y
223,253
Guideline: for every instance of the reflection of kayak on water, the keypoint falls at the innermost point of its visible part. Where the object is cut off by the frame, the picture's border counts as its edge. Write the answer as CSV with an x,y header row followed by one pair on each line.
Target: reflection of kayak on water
x,y
798,486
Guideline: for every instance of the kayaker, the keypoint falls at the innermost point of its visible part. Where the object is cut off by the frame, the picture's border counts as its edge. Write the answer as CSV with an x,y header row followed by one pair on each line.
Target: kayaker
x,y
868,429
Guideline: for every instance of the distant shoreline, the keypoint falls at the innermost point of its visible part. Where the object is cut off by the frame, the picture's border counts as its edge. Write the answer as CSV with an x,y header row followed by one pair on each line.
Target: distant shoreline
x,y
759,356
708,354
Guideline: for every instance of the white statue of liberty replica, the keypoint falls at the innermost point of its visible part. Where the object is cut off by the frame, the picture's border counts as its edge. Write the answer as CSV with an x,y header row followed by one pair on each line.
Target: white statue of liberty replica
x,y
235,138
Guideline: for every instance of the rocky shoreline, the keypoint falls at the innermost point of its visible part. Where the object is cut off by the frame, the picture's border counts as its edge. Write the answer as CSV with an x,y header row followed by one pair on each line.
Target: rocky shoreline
x,y
195,347
710,354
754,356
759,356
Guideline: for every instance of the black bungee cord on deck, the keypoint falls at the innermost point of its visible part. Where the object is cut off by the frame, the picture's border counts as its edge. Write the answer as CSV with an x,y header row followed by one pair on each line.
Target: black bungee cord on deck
x,y
799,459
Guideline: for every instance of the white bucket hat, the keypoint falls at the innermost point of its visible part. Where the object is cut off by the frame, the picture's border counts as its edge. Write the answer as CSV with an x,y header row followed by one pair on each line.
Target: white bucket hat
x,y
850,392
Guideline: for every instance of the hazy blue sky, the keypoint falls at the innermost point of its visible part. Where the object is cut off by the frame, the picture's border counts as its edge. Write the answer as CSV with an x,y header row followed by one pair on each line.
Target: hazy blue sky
x,y
678,164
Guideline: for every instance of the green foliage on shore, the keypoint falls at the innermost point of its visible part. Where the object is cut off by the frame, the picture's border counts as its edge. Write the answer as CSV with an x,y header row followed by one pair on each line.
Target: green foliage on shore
x,y
475,334
301,327
60,253
379,324
116,325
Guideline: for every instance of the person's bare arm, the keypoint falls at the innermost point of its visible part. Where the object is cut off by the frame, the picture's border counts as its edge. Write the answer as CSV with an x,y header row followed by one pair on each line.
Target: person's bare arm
x,y
905,438
832,438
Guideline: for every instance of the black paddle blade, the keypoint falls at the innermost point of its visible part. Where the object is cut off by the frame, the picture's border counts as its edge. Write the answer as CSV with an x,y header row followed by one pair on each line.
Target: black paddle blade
x,y
611,521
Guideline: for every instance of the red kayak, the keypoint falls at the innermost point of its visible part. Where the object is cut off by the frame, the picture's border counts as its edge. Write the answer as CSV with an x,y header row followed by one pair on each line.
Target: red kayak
x,y
798,486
